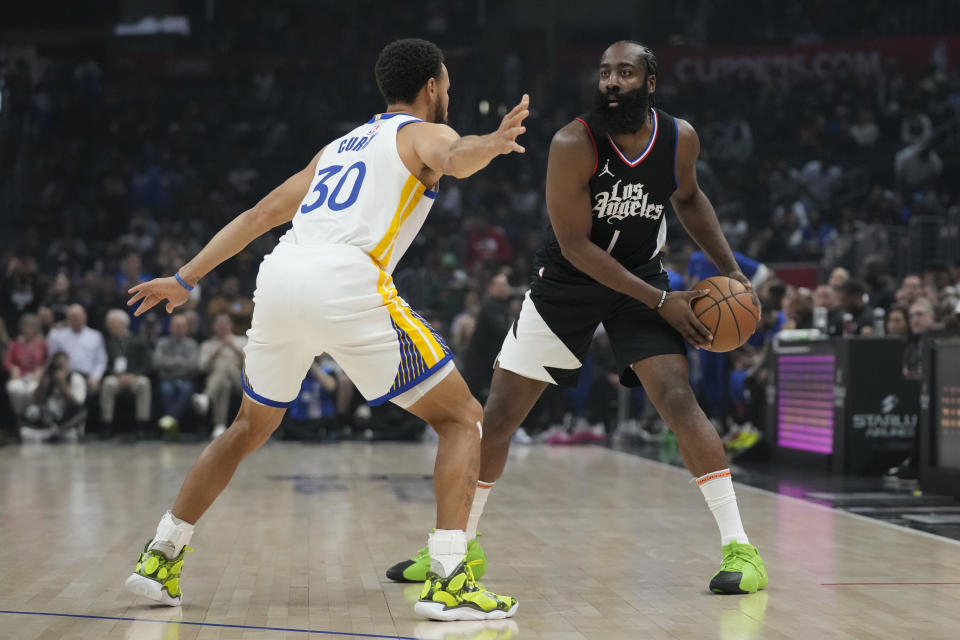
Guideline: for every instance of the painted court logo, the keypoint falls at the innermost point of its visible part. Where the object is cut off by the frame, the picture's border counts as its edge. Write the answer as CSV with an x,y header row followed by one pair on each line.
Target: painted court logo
x,y
631,200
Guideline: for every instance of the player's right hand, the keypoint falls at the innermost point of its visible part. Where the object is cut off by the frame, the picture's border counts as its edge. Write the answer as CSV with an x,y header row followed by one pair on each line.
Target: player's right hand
x,y
678,311
156,291
512,126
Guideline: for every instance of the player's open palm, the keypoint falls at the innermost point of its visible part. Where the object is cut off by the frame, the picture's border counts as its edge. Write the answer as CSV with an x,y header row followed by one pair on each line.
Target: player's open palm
x,y
678,311
151,293
512,126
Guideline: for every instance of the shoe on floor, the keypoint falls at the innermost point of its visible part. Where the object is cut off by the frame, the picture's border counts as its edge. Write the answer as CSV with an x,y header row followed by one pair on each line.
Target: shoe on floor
x,y
157,576
460,597
742,570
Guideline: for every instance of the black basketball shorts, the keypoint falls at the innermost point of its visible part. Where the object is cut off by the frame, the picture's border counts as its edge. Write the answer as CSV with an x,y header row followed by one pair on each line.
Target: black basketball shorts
x,y
558,319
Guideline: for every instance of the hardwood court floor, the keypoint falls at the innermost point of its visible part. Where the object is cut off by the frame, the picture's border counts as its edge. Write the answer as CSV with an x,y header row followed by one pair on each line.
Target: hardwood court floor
x,y
596,544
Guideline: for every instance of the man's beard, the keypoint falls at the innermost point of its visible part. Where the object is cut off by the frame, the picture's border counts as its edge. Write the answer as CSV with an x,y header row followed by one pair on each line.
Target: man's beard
x,y
628,116
439,113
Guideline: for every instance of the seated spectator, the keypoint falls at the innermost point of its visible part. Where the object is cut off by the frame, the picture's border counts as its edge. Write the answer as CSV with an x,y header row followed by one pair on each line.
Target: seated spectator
x,y
176,359
83,344
229,301
897,323
221,359
837,277
464,323
59,296
798,309
24,360
864,130
922,319
916,165
852,302
57,408
129,363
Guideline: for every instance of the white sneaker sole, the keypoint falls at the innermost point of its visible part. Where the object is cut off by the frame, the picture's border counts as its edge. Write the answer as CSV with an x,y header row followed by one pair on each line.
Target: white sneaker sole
x,y
437,611
150,589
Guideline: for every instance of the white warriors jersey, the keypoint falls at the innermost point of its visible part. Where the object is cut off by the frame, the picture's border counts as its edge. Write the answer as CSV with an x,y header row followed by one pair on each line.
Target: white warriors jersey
x,y
363,195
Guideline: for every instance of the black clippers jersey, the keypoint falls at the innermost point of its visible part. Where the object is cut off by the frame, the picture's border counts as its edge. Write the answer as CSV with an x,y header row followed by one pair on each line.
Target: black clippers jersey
x,y
630,198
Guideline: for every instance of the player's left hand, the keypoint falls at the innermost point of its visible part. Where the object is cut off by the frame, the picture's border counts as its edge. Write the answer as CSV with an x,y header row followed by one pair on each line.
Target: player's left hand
x,y
156,291
742,278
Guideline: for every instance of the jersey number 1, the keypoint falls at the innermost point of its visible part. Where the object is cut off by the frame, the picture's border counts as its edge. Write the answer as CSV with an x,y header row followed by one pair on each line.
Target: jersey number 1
x,y
322,190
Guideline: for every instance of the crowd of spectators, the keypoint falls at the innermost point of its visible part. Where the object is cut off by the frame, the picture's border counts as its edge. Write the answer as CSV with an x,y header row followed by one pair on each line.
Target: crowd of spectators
x,y
134,158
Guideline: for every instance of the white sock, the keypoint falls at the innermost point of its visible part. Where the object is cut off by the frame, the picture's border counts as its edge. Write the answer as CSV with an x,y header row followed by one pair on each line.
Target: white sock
x,y
476,510
447,549
717,488
173,534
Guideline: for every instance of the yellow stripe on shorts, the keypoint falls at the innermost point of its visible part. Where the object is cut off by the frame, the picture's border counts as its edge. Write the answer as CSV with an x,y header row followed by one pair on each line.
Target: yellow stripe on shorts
x,y
429,348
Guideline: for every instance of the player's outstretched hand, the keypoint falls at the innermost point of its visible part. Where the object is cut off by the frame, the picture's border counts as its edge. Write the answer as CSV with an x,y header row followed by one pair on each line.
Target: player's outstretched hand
x,y
512,126
678,311
156,291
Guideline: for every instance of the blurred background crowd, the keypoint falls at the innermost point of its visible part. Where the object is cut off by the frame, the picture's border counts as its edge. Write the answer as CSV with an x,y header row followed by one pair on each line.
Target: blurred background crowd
x,y
828,153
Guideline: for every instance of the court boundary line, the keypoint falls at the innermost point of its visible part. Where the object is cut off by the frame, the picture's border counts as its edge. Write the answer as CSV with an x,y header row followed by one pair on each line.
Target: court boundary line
x,y
350,634
873,584
857,516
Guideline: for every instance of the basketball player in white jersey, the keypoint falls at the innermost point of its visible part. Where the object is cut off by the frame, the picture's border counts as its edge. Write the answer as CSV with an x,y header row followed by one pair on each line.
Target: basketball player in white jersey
x,y
327,287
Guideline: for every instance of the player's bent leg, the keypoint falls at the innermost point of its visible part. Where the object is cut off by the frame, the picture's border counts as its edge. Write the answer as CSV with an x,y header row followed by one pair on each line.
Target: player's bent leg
x,y
511,398
157,573
451,590
252,427
456,417
666,380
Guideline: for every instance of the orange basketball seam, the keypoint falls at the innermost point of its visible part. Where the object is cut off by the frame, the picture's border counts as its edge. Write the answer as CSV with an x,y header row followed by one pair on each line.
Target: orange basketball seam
x,y
736,322
737,295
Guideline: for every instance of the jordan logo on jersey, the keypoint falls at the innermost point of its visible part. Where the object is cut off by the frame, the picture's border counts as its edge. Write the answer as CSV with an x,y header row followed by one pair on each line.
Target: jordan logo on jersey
x,y
632,200
606,170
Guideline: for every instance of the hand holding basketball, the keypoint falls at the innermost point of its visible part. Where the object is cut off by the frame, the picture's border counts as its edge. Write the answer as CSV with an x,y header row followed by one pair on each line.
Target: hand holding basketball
x,y
731,311
677,310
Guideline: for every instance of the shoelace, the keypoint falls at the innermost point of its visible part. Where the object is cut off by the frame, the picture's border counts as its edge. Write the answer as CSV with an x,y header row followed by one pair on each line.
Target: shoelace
x,y
737,558
471,580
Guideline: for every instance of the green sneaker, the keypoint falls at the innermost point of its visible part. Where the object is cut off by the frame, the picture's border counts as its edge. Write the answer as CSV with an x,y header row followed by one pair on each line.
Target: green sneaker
x,y
416,568
741,571
460,597
158,577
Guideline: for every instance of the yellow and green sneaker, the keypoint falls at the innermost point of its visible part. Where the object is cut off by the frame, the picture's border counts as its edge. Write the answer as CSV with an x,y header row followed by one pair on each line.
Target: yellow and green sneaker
x,y
415,569
158,577
460,597
742,570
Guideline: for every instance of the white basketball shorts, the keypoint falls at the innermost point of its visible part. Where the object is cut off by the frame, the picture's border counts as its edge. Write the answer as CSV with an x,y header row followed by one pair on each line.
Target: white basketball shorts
x,y
336,299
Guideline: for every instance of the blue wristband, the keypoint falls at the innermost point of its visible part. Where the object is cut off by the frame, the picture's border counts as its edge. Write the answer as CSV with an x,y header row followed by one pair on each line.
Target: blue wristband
x,y
183,283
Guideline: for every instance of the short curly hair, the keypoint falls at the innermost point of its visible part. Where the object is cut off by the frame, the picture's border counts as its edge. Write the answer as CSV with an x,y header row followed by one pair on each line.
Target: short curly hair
x,y
404,66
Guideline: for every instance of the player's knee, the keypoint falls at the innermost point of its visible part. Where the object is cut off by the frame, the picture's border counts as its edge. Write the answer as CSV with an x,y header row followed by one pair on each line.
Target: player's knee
x,y
462,415
676,402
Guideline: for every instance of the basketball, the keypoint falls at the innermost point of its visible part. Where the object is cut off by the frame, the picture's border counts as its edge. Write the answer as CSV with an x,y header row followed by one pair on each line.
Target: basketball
x,y
728,311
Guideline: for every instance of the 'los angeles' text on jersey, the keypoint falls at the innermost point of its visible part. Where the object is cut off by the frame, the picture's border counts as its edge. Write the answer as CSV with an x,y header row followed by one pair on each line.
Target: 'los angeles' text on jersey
x,y
629,199
624,201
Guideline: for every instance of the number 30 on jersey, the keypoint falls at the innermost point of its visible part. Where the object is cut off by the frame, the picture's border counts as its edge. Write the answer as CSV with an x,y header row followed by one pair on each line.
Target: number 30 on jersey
x,y
353,175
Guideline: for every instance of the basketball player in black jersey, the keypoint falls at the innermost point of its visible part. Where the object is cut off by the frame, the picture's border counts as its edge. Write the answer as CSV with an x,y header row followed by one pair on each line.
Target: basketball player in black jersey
x,y
612,177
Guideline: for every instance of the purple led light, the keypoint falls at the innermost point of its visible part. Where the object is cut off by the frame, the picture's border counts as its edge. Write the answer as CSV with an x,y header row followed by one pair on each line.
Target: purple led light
x,y
806,358
788,443
804,413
